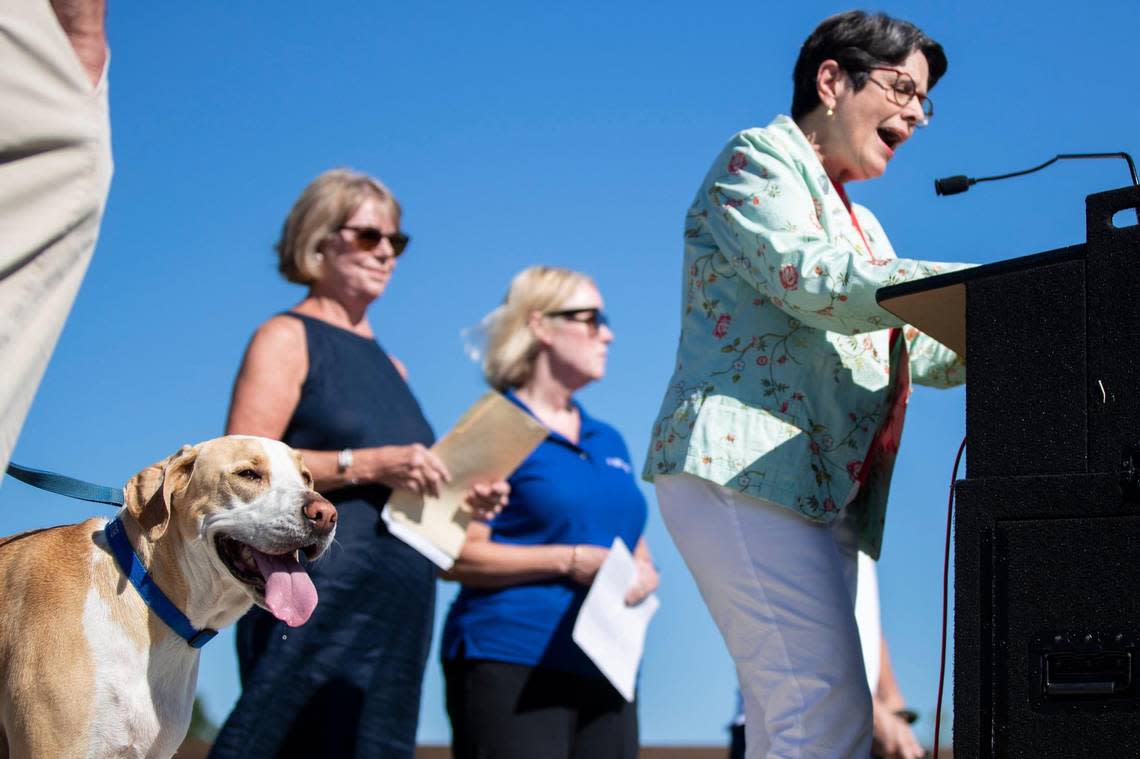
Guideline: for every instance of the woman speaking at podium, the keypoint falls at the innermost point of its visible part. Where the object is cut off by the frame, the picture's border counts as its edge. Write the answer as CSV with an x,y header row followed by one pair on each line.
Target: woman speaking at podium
x,y
773,449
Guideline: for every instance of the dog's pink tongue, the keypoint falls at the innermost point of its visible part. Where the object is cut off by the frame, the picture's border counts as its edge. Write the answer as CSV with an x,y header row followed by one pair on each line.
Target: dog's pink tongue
x,y
289,593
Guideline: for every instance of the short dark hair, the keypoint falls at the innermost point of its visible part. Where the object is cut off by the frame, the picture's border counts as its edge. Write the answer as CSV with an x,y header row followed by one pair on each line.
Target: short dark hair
x,y
858,41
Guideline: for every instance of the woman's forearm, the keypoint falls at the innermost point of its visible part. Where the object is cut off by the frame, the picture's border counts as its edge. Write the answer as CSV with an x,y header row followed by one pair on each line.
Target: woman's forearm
x,y
487,564
408,467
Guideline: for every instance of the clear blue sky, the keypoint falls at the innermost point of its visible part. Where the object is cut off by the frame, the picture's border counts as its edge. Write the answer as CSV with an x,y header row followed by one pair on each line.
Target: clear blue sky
x,y
521,133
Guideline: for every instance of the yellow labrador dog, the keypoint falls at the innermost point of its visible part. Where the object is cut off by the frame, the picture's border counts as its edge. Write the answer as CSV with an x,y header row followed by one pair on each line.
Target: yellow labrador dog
x,y
88,668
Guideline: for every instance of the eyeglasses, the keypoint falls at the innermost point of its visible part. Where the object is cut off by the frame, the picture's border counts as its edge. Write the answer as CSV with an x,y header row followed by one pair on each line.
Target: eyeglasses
x,y
369,238
903,90
593,318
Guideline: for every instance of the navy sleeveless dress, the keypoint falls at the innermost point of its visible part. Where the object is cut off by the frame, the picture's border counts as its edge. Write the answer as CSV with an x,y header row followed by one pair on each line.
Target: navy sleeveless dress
x,y
347,682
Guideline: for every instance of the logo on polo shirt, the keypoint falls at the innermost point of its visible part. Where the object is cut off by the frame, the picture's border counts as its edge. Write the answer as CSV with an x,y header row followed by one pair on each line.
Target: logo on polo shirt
x,y
621,464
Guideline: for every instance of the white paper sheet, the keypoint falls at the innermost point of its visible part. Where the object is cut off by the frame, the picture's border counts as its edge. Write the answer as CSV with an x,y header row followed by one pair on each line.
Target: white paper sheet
x,y
609,632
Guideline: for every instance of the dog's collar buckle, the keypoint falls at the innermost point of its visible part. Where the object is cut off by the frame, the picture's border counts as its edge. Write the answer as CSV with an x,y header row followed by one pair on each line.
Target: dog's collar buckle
x,y
202,637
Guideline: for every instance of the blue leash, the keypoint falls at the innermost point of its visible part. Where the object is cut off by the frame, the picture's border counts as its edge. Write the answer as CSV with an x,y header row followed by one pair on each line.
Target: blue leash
x,y
121,549
68,486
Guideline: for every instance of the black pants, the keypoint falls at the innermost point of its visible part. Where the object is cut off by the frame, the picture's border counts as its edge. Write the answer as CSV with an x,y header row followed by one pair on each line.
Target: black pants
x,y
736,747
512,711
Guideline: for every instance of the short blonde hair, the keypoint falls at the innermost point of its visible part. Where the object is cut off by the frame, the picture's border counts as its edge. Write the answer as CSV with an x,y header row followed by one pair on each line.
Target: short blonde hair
x,y
511,345
327,202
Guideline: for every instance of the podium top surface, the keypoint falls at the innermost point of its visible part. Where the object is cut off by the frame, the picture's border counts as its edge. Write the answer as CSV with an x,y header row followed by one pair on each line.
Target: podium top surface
x,y
937,305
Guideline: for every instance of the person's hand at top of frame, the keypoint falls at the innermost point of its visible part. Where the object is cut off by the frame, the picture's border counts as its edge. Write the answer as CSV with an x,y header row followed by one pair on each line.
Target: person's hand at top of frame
x,y
646,582
83,23
487,499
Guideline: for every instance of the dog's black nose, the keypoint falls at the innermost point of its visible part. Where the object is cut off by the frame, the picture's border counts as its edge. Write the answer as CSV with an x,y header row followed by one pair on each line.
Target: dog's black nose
x,y
319,513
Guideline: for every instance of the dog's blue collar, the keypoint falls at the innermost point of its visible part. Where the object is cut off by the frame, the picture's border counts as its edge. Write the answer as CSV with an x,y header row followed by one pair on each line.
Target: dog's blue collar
x,y
151,594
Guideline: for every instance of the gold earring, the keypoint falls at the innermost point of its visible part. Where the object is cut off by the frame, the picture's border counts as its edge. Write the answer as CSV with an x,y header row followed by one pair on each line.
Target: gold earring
x,y
830,112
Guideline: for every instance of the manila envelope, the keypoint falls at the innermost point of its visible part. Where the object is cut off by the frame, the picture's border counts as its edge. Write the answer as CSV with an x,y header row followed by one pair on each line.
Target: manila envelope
x,y
488,442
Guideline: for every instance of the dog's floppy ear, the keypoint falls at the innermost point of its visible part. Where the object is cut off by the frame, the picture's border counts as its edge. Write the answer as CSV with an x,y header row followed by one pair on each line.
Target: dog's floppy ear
x,y
148,493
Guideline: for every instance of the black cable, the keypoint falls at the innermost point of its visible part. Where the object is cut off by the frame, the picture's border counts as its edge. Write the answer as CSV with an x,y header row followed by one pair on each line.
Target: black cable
x,y
945,595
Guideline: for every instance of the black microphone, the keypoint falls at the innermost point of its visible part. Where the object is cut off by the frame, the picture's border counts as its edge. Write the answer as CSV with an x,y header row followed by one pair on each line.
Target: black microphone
x,y
952,185
956,184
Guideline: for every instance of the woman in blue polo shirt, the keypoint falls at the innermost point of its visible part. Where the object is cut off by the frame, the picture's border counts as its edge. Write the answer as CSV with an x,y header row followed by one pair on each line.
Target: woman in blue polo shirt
x,y
517,685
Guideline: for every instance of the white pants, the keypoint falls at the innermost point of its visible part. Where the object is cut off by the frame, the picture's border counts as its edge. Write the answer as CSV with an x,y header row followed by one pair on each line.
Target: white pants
x,y
781,589
869,620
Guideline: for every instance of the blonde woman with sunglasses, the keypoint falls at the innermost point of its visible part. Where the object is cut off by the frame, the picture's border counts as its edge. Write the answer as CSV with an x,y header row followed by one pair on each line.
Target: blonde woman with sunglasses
x,y
347,683
517,685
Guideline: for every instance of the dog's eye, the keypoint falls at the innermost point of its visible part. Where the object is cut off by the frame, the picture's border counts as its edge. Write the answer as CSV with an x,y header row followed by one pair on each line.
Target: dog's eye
x,y
307,479
249,474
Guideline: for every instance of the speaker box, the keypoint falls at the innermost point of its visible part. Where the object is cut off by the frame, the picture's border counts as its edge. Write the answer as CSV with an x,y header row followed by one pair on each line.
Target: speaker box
x,y
1047,573
1047,544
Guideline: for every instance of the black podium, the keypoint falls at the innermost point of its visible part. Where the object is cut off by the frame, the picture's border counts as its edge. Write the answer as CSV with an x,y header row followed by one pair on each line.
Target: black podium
x,y
1047,543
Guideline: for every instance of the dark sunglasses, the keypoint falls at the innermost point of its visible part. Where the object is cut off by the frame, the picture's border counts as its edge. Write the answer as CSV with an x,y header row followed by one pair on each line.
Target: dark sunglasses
x,y
594,318
369,238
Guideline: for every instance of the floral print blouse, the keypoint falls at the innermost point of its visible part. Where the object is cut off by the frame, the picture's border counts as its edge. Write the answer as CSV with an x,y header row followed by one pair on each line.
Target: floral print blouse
x,y
784,367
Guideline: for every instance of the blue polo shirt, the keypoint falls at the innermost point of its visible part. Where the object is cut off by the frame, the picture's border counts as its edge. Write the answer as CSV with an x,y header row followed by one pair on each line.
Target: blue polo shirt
x,y
562,494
